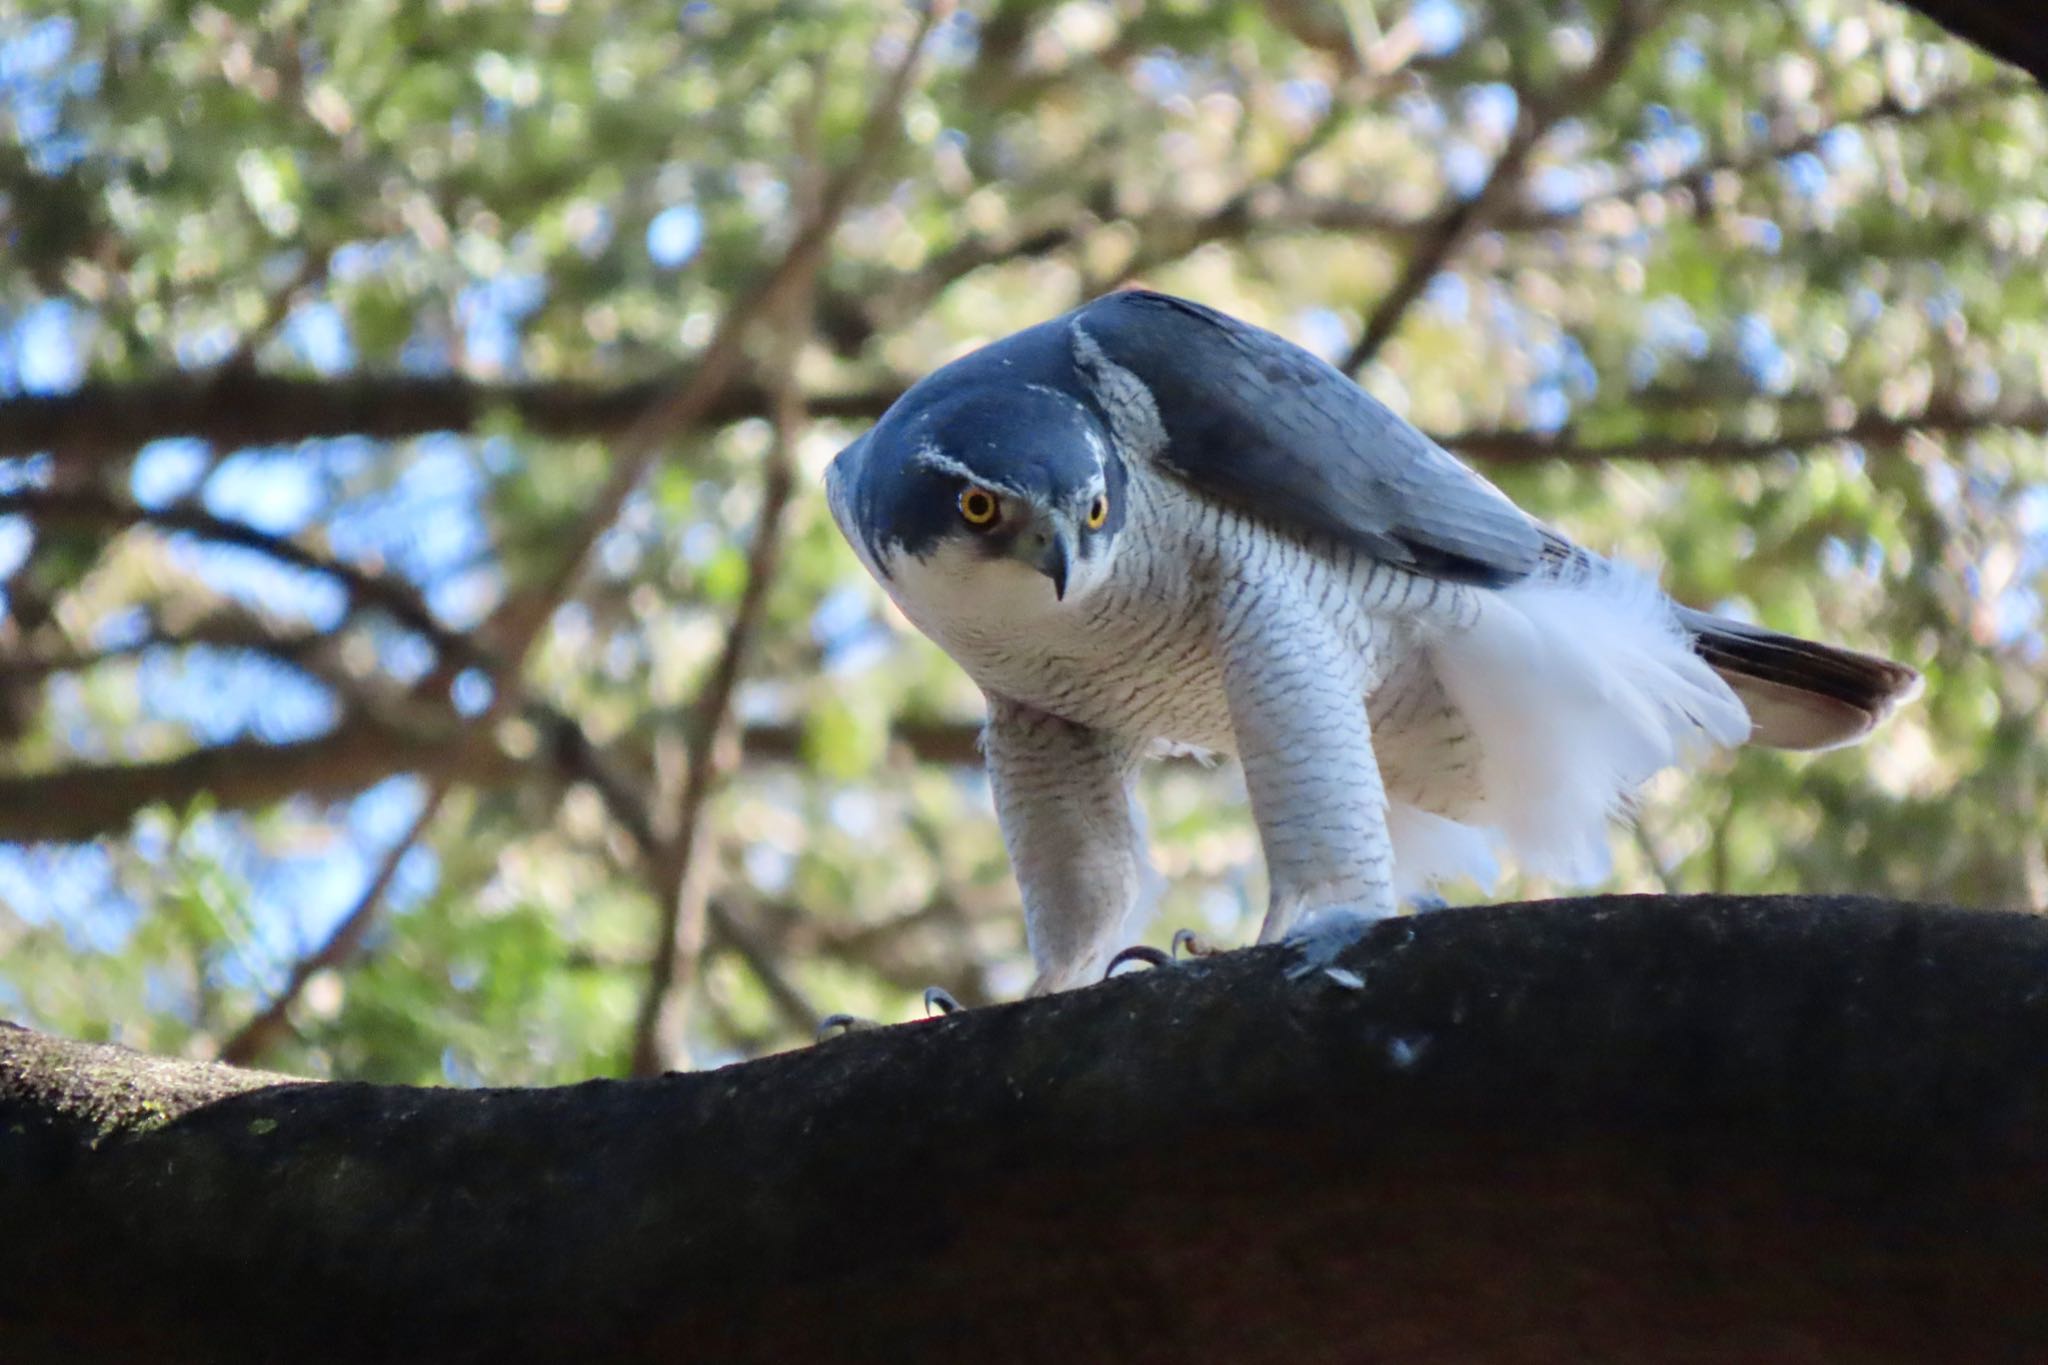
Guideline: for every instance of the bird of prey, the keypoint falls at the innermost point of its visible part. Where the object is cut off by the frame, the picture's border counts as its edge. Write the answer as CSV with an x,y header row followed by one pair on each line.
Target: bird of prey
x,y
1147,526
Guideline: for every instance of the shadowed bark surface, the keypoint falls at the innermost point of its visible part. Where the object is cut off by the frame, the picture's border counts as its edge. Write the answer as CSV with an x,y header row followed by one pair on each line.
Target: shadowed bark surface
x,y
2013,33
1693,1129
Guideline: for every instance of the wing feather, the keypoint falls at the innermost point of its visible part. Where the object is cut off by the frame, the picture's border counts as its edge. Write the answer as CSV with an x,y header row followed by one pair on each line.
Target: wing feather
x,y
1253,420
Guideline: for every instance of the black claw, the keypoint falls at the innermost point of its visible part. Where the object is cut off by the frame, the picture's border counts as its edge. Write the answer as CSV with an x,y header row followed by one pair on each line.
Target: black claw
x,y
938,998
1137,952
1193,944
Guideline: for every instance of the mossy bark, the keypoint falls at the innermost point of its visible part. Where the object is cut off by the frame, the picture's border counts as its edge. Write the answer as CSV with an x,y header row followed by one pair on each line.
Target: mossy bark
x,y
1696,1129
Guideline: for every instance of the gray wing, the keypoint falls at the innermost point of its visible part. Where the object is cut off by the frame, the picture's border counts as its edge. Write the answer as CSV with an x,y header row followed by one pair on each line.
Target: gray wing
x,y
1254,420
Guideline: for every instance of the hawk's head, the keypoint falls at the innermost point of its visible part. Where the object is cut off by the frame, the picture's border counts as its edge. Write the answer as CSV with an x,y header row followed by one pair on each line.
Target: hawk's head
x,y
984,494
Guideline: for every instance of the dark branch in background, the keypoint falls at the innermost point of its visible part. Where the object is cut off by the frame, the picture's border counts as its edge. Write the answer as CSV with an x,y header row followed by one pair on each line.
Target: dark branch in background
x,y
597,411
237,407
679,870
394,596
329,765
1745,160
111,419
1535,116
277,306
683,869
1168,239
222,627
261,1033
678,410
92,800
1945,417
2011,32
1266,207
1647,1129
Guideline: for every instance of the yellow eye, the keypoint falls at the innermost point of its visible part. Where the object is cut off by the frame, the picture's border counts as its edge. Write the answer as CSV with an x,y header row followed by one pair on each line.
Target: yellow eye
x,y
1098,512
978,508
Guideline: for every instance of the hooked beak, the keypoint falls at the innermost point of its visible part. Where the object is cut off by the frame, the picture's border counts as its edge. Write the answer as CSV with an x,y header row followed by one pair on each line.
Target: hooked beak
x,y
1052,562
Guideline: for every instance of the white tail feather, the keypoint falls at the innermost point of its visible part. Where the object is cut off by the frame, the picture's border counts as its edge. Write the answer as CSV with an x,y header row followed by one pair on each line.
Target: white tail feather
x,y
1430,848
1577,693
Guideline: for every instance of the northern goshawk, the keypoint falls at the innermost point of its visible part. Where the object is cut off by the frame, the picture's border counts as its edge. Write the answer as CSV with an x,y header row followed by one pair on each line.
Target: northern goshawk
x,y
1147,525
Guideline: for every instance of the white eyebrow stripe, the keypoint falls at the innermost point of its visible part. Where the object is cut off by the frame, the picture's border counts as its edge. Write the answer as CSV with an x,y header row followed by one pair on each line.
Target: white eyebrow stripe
x,y
932,458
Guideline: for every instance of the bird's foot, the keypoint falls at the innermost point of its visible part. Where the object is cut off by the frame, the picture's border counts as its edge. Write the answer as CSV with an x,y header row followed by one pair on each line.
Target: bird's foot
x,y
1322,937
937,1001
1185,941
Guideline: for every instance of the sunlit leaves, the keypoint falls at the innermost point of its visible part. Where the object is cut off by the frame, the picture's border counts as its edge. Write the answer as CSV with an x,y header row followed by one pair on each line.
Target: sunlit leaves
x,y
1776,220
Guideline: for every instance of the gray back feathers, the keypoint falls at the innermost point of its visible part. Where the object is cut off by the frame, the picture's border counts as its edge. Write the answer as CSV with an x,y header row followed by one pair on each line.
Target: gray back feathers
x,y
1257,422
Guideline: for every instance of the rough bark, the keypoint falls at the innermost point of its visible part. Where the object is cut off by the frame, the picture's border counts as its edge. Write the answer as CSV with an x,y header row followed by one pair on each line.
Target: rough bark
x,y
1699,1129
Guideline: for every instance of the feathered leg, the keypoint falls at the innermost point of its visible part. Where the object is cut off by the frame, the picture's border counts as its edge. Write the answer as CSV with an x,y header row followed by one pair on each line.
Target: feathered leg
x,y
1297,706
1063,795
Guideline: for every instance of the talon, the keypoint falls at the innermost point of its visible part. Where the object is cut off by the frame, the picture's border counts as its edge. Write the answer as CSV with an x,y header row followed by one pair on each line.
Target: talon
x,y
839,1025
1137,952
1193,944
940,1000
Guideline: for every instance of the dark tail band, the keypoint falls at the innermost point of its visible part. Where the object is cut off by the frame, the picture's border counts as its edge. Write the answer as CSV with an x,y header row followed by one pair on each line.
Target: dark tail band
x,y
1800,694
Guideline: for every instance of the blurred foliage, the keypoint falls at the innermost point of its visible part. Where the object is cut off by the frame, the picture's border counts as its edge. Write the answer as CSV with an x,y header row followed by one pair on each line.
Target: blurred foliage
x,y
1778,221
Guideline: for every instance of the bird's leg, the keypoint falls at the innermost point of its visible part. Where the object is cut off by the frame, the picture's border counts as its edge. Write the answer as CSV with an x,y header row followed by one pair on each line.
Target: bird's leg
x,y
1296,689
1063,796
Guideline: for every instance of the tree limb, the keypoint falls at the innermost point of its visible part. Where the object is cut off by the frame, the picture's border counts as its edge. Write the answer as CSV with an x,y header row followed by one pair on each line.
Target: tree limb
x,y
1876,430
227,627
1459,219
1704,1129
2010,32
520,617
91,800
1695,178
680,869
248,1043
389,593
597,411
110,419
94,799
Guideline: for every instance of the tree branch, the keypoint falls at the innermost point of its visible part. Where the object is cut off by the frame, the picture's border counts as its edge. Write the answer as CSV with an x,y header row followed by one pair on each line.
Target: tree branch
x,y
2012,33
1769,153
388,593
1875,430
520,618
228,627
681,871
1703,1129
93,799
1456,223
262,1032
110,419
